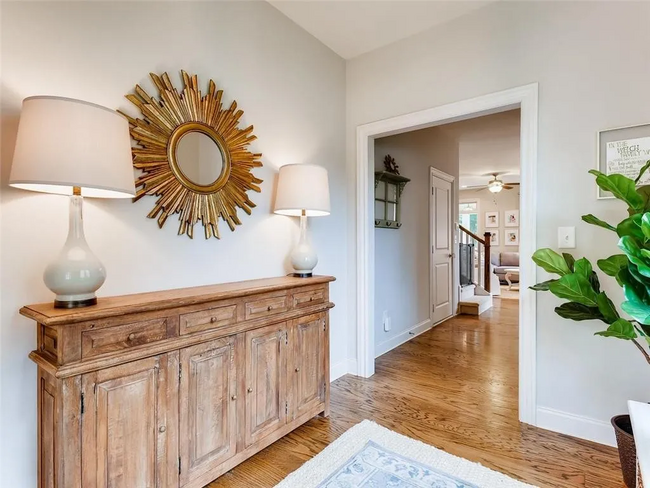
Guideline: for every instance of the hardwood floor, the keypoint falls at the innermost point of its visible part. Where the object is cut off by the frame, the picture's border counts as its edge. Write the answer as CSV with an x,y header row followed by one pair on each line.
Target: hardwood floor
x,y
454,387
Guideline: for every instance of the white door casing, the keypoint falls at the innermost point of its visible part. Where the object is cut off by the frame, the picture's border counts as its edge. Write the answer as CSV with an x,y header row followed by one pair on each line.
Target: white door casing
x,y
441,233
525,97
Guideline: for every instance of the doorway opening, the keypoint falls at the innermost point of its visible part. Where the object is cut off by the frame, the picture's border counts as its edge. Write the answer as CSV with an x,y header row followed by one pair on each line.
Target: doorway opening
x,y
526,100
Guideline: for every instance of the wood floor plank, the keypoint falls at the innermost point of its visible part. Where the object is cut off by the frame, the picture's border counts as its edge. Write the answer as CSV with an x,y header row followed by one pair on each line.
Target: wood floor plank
x,y
454,387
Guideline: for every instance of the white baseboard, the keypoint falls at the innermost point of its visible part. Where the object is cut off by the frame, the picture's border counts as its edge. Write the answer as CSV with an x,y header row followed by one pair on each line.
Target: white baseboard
x,y
347,366
576,426
400,339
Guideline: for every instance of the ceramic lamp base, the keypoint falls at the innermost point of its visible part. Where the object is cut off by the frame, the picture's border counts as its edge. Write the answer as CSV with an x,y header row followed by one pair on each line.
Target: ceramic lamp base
x,y
303,257
76,274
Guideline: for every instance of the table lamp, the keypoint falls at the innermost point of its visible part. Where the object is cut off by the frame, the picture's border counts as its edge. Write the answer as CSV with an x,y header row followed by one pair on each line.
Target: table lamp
x,y
303,191
80,149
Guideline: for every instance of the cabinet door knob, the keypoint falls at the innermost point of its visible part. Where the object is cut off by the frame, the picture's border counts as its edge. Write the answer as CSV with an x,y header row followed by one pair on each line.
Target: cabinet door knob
x,y
233,398
250,390
131,336
311,299
269,308
213,319
297,370
162,429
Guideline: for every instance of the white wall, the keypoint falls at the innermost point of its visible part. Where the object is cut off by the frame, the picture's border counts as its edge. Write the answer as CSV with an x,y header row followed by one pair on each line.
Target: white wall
x,y
590,60
402,286
494,202
291,88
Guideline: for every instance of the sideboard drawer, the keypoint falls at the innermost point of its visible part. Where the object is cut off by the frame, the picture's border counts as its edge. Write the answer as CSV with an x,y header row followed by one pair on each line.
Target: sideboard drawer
x,y
208,319
267,305
308,297
111,339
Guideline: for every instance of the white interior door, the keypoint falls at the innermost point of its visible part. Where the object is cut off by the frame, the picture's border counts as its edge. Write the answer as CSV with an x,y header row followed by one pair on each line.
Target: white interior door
x,y
442,242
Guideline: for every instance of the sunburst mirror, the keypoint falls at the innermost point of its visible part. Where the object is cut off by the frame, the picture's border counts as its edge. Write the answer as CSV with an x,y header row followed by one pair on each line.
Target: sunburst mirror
x,y
192,155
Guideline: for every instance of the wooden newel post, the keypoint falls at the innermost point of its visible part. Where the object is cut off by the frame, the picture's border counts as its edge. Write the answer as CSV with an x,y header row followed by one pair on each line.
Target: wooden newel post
x,y
487,261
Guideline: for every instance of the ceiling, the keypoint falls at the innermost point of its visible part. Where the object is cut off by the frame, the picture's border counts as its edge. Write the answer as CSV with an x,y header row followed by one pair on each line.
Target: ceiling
x,y
351,28
486,145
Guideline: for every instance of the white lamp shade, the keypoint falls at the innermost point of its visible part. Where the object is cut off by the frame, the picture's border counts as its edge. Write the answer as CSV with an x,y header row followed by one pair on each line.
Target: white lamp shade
x,y
63,143
303,187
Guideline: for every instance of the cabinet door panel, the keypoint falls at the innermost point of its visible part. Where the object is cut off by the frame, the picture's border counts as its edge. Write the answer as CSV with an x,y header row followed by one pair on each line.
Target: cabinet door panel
x,y
308,363
266,374
125,424
208,407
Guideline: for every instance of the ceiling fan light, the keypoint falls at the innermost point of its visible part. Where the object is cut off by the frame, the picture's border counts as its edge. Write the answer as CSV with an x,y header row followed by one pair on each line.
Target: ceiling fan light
x,y
495,186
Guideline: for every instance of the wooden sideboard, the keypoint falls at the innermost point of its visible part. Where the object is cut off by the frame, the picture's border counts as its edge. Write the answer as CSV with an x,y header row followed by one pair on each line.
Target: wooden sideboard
x,y
174,388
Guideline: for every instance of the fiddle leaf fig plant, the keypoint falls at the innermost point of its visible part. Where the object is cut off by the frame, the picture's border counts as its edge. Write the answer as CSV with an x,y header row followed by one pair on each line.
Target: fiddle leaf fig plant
x,y
578,283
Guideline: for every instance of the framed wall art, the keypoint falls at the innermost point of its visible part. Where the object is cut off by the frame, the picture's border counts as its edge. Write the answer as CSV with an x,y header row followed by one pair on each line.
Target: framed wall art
x,y
494,238
624,151
511,218
491,219
512,237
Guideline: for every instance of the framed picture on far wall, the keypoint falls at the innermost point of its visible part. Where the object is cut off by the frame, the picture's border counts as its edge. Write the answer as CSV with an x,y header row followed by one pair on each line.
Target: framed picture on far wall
x,y
512,237
494,238
511,218
491,219
623,151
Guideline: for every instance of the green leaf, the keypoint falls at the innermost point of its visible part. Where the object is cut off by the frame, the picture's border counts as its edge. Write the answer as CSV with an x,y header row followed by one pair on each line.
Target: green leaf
x,y
631,227
641,171
637,310
577,311
583,267
607,308
593,220
621,329
635,286
595,283
645,225
613,264
632,250
543,286
574,287
644,191
621,187
569,260
550,261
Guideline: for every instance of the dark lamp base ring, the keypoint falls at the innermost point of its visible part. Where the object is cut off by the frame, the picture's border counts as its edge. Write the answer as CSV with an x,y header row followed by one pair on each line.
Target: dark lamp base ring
x,y
75,303
302,275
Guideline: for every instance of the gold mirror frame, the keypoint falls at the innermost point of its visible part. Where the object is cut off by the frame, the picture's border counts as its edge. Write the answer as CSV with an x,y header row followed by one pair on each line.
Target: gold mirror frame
x,y
166,120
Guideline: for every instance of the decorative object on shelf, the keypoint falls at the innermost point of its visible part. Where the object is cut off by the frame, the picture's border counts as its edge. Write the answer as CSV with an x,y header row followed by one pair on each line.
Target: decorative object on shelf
x,y
390,165
181,394
303,191
75,148
512,237
511,218
623,151
578,284
492,219
388,195
494,238
193,155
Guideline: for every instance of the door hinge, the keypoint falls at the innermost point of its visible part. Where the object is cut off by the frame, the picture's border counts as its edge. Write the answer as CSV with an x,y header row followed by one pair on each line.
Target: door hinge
x,y
83,404
286,337
286,408
180,371
179,465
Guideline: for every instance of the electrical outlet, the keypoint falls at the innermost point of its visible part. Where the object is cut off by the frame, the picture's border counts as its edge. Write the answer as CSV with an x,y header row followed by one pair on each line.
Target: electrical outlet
x,y
386,321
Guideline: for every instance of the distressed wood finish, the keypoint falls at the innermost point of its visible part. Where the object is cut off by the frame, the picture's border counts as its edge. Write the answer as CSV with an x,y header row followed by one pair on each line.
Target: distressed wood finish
x,y
175,388
453,387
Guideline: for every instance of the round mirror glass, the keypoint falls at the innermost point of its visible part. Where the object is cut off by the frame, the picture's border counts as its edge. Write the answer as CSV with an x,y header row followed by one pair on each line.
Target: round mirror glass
x,y
199,158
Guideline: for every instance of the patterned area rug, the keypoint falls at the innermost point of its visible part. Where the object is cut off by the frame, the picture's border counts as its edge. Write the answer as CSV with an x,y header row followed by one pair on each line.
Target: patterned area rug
x,y
371,456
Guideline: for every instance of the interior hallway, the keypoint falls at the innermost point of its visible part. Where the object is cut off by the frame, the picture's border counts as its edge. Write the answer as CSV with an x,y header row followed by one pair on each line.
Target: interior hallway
x,y
454,387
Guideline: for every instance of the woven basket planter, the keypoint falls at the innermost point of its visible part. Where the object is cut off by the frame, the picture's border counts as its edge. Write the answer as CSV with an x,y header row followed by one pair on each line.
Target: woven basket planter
x,y
626,448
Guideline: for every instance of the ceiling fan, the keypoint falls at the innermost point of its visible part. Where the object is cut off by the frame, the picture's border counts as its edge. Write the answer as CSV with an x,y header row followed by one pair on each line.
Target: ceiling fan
x,y
495,185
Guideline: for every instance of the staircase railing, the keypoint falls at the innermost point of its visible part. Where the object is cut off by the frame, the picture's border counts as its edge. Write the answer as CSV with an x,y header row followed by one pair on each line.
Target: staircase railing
x,y
482,255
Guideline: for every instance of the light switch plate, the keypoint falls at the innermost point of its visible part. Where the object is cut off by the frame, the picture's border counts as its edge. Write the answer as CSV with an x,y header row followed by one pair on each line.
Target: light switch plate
x,y
566,237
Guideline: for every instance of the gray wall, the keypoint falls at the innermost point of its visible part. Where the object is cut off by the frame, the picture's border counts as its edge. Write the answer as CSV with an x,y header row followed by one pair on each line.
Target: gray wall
x,y
290,86
591,63
402,285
